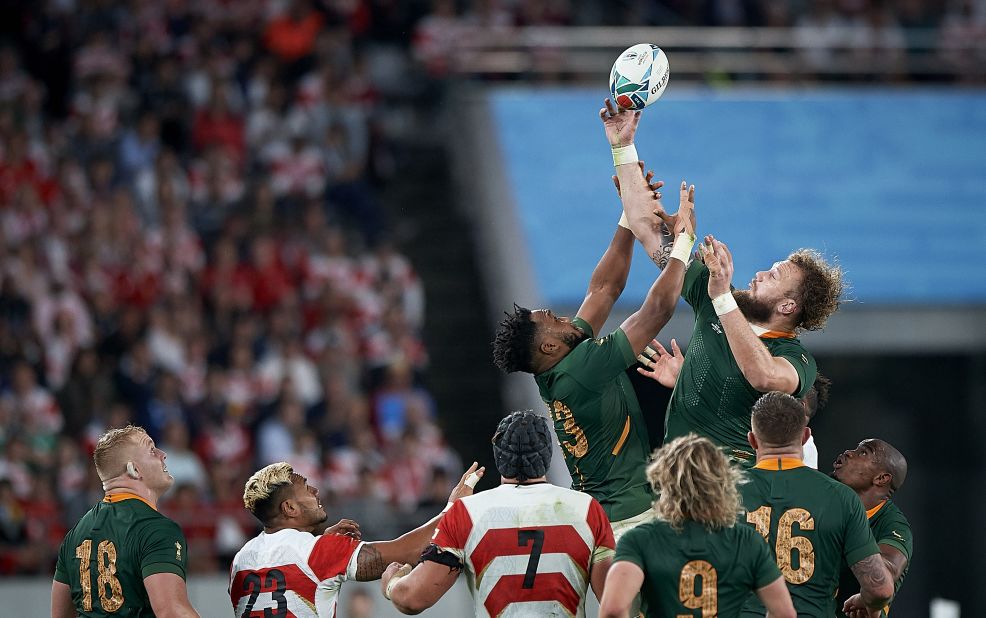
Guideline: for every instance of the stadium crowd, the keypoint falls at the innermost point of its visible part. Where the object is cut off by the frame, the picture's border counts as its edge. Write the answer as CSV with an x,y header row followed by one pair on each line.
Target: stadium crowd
x,y
192,241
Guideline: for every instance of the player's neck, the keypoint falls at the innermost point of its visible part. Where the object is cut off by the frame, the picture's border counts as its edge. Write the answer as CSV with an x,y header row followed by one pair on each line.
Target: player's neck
x,y
779,452
124,485
872,497
505,481
775,325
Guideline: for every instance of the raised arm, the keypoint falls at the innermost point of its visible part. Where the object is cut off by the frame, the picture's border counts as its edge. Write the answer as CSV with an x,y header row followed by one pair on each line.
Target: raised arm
x,y
761,369
610,275
374,557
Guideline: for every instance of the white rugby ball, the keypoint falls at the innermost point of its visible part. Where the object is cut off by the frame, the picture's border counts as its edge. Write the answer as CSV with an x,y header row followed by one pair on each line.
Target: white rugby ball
x,y
639,76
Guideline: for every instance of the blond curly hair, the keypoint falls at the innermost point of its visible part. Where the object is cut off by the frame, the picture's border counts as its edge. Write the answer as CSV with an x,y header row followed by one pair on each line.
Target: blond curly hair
x,y
693,480
263,485
821,290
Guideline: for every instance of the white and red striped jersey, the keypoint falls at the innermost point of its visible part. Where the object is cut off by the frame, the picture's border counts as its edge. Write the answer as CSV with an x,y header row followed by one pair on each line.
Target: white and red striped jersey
x,y
291,574
527,549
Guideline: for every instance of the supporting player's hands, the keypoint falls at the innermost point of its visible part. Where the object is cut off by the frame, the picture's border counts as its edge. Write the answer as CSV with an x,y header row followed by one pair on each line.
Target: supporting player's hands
x,y
659,365
719,261
345,527
394,569
620,124
464,488
654,185
684,219
854,608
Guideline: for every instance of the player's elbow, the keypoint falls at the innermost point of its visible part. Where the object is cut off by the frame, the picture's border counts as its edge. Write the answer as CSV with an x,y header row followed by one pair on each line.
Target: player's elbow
x,y
612,607
409,601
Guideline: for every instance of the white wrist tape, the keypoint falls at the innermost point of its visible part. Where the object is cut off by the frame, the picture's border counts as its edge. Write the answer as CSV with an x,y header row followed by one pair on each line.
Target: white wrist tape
x,y
390,585
681,250
447,507
471,480
623,221
724,303
624,154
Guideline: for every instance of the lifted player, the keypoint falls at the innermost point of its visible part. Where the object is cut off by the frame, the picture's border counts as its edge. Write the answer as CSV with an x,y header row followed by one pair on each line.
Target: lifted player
x,y
596,415
528,547
124,558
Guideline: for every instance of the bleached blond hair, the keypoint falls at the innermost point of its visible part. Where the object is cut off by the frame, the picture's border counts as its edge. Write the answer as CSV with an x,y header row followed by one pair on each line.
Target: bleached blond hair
x,y
263,485
693,480
109,455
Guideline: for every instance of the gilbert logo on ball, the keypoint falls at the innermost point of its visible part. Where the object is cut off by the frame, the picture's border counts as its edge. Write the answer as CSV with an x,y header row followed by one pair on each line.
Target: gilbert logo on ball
x,y
639,76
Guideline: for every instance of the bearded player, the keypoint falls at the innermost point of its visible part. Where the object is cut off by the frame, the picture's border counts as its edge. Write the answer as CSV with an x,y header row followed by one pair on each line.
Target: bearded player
x,y
287,568
528,548
812,523
744,342
596,415
124,558
875,470
695,555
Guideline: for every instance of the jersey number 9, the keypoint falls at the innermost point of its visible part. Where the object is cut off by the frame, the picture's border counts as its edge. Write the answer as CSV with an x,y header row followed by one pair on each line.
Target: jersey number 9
x,y
703,596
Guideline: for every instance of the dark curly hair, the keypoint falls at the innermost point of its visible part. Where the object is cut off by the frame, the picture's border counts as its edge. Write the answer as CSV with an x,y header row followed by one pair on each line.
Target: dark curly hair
x,y
821,289
818,395
514,341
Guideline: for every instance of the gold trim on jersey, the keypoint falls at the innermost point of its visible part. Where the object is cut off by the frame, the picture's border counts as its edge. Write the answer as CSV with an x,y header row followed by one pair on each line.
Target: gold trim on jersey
x,y
763,333
112,498
780,463
623,438
876,509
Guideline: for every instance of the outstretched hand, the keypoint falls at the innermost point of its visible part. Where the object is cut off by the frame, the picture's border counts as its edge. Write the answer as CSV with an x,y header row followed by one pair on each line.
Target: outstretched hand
x,y
620,124
719,261
661,366
854,608
345,527
463,489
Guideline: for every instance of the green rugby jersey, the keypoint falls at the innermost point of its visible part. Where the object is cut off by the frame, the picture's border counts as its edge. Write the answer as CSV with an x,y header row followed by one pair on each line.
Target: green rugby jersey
x,y
711,397
697,572
889,527
599,423
814,524
106,556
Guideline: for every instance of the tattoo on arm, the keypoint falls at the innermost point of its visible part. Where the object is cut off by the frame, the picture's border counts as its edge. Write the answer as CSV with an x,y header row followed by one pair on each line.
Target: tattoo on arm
x,y
872,574
369,563
662,256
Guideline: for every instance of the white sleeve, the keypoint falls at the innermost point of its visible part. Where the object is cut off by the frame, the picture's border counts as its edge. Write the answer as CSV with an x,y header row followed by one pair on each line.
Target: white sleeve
x,y
353,561
810,453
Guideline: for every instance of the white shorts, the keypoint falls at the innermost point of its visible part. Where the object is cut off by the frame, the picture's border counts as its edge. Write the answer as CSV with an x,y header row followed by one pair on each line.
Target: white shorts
x,y
620,527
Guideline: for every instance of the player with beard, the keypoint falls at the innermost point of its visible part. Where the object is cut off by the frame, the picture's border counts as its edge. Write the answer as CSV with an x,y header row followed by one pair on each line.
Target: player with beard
x,y
124,558
875,470
288,570
744,342
596,415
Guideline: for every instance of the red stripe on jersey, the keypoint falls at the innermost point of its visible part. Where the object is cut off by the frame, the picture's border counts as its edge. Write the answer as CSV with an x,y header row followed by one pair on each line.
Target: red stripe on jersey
x,y
510,589
295,580
454,528
331,555
503,542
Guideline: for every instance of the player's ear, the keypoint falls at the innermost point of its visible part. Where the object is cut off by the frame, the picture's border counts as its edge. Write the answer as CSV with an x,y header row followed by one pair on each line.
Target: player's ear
x,y
752,439
548,347
805,435
883,479
288,508
787,306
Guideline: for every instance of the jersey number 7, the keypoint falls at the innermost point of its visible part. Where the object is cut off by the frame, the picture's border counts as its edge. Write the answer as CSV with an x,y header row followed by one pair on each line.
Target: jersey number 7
x,y
536,538
787,542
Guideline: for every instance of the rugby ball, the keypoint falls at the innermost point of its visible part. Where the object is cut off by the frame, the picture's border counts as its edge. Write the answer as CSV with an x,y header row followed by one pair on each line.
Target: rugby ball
x,y
639,76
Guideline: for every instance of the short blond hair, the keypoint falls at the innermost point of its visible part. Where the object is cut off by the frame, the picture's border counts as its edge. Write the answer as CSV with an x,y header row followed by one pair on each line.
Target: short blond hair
x,y
108,455
264,485
693,480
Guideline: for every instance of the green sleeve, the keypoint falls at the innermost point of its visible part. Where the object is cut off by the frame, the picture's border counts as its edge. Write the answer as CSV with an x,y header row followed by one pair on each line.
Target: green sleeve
x,y
629,549
61,575
595,362
896,532
803,363
585,326
695,289
859,543
163,549
765,569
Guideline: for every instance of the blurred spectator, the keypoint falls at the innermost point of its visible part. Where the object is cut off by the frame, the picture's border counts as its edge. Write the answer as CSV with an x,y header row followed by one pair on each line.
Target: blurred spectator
x,y
360,604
